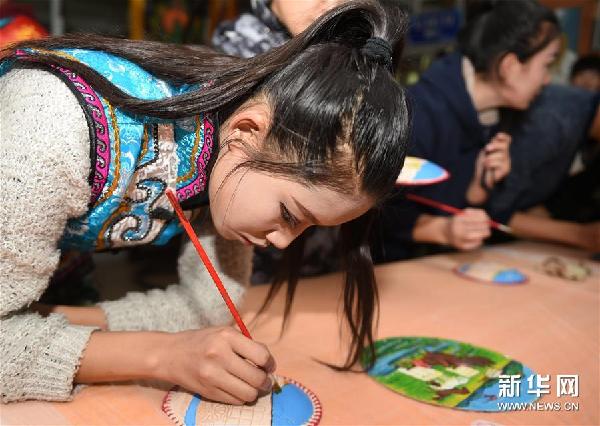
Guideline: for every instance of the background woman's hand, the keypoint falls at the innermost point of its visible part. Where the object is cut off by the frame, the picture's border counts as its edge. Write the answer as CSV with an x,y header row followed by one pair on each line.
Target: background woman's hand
x,y
220,363
495,157
492,165
468,230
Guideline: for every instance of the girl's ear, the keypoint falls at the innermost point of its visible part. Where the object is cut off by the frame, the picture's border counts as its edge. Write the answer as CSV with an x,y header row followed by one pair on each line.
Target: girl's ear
x,y
509,67
248,125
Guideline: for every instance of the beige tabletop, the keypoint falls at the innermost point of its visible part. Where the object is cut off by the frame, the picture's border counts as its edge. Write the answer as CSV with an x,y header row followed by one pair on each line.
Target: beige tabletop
x,y
549,324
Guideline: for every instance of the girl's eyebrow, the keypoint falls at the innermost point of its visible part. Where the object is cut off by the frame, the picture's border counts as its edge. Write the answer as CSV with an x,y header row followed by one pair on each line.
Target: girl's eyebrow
x,y
306,212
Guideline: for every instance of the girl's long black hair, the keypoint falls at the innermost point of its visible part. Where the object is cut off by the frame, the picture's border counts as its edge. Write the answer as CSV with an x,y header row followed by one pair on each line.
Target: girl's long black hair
x,y
338,119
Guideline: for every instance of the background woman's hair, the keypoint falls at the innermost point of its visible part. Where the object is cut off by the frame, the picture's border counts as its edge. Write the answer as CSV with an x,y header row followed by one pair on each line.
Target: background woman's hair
x,y
522,27
338,120
586,63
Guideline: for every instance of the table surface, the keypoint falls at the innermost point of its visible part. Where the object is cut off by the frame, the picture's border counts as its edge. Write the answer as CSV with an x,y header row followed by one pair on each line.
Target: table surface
x,y
549,324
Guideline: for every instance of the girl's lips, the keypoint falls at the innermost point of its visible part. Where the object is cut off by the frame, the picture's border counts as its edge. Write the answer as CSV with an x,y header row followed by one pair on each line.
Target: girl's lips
x,y
247,242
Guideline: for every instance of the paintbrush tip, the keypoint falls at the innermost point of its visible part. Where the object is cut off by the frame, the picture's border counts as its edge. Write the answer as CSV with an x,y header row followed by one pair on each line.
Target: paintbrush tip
x,y
276,388
505,228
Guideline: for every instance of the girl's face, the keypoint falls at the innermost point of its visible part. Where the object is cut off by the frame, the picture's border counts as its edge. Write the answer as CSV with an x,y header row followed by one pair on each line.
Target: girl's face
x,y
522,82
257,208
263,209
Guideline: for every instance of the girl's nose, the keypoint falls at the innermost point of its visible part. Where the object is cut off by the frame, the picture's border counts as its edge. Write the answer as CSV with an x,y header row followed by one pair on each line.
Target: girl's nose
x,y
282,238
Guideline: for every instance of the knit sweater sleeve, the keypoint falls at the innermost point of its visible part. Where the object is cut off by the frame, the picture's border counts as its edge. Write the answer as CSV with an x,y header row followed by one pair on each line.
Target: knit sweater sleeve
x,y
193,303
44,163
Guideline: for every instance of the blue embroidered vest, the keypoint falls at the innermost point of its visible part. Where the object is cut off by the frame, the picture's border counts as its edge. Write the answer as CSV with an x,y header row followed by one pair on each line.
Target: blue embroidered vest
x,y
133,158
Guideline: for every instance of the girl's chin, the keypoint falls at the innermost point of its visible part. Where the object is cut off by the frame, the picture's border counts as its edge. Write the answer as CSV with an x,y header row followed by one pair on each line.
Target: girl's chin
x,y
521,106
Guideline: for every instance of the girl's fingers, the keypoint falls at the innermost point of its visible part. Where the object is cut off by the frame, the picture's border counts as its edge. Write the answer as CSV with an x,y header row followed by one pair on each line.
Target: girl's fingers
x,y
472,236
496,169
502,137
237,388
490,177
497,164
478,229
469,244
254,352
249,373
497,145
495,157
475,233
477,223
220,395
474,217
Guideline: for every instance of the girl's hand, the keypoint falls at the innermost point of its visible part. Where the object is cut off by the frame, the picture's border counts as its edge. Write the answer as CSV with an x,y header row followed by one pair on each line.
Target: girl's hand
x,y
467,230
494,157
492,165
220,363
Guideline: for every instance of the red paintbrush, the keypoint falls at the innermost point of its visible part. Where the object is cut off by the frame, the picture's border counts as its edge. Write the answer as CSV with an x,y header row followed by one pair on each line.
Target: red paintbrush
x,y
453,210
211,270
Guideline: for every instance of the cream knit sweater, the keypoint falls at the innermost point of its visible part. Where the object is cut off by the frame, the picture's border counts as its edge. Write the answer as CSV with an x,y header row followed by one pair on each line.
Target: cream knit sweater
x,y
44,165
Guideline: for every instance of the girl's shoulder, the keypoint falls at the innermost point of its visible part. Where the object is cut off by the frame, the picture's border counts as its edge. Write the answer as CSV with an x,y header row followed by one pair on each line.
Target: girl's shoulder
x,y
123,73
128,76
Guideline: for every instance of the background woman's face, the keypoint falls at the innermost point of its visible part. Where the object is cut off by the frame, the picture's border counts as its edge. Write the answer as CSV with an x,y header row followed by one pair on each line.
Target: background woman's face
x,y
524,82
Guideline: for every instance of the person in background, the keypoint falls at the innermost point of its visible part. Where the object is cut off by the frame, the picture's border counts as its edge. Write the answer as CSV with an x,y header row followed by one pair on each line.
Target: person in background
x,y
557,188
464,108
585,73
538,189
17,23
564,120
271,24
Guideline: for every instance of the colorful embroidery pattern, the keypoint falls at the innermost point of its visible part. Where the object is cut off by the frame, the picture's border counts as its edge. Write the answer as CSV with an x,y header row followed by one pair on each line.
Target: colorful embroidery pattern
x,y
135,157
194,182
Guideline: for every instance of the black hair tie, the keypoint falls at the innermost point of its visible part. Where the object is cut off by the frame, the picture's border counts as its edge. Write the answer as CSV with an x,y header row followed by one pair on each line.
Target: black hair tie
x,y
379,50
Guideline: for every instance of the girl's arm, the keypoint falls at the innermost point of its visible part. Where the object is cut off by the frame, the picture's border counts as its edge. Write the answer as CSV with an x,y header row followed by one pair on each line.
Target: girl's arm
x,y
585,236
193,303
431,229
212,361
44,166
465,231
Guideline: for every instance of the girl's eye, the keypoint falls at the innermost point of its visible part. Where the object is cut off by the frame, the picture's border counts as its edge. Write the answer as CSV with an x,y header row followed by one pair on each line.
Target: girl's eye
x,y
287,216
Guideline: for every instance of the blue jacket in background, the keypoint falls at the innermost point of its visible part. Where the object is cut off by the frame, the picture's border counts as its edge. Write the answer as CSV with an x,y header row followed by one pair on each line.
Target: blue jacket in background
x,y
447,131
544,144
